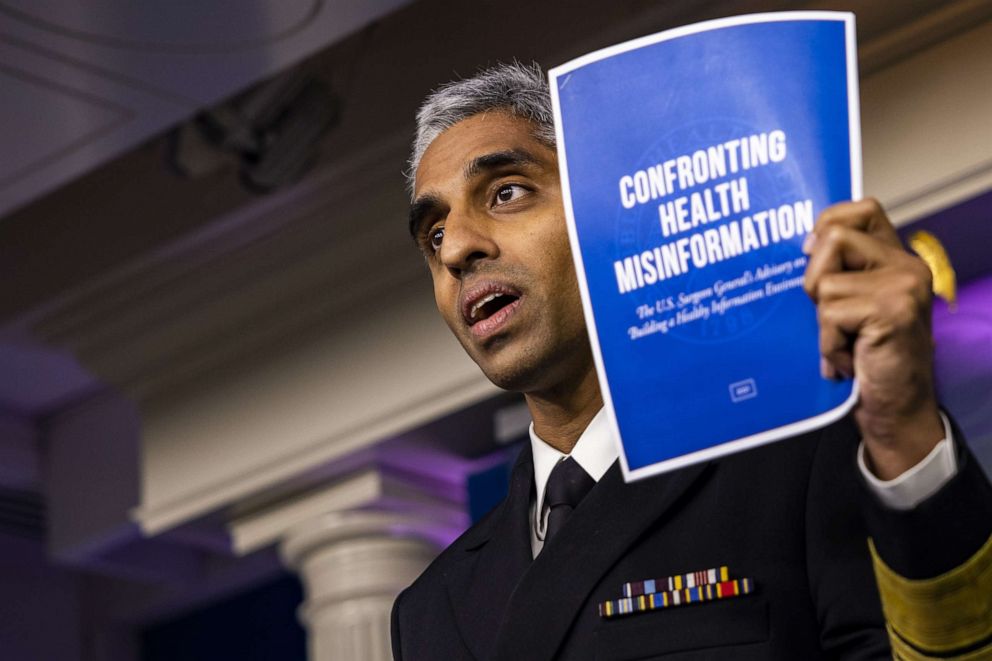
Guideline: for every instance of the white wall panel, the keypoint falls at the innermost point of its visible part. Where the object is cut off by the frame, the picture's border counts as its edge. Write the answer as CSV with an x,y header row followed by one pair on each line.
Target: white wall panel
x,y
388,366
927,127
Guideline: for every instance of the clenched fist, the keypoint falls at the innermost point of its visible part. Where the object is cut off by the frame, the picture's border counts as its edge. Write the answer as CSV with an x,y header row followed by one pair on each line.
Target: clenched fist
x,y
873,306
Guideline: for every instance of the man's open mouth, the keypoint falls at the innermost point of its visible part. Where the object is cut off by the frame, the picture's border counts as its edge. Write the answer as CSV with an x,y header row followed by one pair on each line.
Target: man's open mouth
x,y
486,301
489,305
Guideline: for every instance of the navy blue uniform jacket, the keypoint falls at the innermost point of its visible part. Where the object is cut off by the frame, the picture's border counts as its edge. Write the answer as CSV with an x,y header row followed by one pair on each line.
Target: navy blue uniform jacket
x,y
794,516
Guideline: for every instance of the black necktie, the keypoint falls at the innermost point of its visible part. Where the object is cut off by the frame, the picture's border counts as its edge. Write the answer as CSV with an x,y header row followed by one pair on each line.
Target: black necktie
x,y
567,485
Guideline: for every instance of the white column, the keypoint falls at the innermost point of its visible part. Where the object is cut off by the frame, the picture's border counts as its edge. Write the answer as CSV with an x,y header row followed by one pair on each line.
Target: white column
x,y
353,564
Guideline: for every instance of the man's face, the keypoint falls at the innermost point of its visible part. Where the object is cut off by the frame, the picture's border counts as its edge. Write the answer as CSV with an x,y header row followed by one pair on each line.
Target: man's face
x,y
488,215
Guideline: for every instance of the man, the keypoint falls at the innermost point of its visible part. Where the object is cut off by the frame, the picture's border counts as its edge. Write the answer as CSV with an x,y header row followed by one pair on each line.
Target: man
x,y
794,516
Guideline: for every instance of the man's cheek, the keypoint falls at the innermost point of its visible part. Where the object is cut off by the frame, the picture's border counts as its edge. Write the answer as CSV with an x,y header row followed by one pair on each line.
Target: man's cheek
x,y
440,297
447,307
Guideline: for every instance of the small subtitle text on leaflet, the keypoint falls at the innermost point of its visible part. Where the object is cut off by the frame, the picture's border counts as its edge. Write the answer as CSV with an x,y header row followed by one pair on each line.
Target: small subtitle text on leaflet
x,y
718,298
708,225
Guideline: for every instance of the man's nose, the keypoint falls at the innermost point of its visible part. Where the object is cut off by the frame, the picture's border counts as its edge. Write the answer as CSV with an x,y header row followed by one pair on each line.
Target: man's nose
x,y
467,241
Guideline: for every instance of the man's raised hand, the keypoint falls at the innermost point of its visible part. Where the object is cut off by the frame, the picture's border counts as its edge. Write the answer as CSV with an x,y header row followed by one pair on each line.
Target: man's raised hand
x,y
873,307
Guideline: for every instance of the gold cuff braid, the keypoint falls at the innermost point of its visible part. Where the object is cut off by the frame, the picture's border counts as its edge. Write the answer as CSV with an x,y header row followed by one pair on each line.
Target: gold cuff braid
x,y
949,612
902,651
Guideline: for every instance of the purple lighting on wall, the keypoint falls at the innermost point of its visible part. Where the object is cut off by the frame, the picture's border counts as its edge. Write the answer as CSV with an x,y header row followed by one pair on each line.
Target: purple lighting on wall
x,y
963,365
963,353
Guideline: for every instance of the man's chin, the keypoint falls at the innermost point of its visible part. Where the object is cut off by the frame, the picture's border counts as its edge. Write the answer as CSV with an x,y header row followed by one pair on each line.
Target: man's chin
x,y
509,372
512,364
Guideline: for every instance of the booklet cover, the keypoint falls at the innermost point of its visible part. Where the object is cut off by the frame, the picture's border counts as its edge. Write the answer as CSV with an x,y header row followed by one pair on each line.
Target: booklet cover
x,y
694,163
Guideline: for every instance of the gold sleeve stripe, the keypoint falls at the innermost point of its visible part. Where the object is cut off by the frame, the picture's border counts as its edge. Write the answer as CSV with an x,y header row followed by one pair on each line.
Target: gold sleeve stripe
x,y
902,651
941,614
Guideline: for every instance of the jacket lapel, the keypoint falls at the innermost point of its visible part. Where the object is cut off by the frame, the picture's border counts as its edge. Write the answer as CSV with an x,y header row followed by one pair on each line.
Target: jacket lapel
x,y
607,522
481,585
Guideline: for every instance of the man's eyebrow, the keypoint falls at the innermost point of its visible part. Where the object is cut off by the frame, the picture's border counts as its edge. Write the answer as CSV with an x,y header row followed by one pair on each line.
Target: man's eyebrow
x,y
421,208
498,159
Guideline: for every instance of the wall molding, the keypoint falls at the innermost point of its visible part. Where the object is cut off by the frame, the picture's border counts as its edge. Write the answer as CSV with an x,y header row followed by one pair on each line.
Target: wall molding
x,y
280,474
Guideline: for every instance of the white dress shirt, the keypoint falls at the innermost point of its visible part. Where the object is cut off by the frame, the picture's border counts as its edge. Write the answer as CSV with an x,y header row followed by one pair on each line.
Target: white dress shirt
x,y
597,449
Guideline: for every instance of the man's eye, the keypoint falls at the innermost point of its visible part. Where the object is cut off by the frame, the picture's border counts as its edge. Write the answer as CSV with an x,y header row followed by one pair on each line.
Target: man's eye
x,y
509,192
435,237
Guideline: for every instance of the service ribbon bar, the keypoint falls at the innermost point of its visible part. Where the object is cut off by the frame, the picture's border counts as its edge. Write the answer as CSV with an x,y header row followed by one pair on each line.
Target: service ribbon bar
x,y
680,582
671,598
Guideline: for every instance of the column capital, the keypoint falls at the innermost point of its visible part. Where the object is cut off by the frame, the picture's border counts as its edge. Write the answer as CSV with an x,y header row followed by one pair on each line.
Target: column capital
x,y
355,504
353,564
330,529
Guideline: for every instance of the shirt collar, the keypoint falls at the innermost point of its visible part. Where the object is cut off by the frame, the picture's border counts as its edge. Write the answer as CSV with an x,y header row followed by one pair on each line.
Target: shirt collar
x,y
595,451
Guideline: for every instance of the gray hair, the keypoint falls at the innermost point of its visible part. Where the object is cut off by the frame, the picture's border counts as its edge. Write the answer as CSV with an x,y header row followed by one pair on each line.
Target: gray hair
x,y
519,89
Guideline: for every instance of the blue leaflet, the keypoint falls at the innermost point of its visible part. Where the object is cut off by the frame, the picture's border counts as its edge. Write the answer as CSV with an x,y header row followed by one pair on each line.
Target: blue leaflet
x,y
694,163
